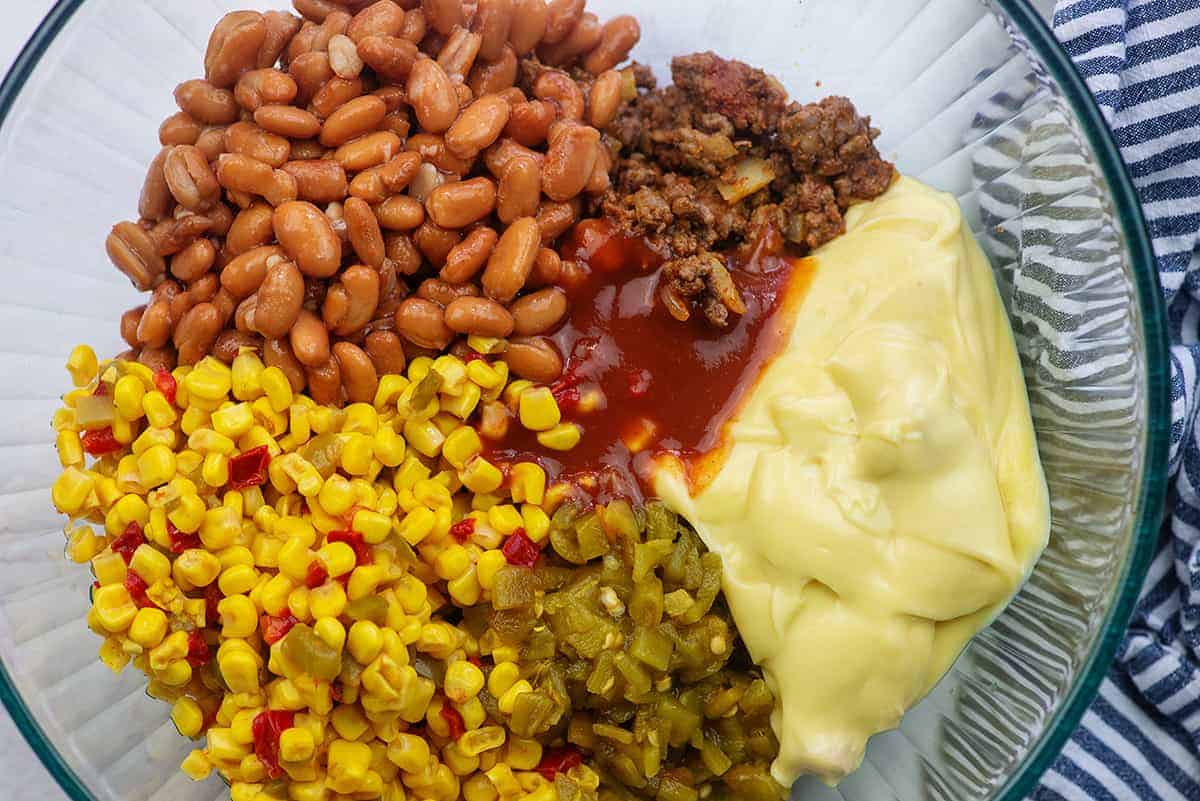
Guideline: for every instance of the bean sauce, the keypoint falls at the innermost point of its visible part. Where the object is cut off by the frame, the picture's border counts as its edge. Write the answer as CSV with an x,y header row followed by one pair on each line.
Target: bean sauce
x,y
662,386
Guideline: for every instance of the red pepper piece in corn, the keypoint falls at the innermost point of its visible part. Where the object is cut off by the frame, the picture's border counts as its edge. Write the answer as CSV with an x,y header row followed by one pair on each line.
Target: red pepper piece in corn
x,y
266,729
129,541
317,574
181,542
136,586
165,382
558,761
275,628
519,550
454,721
212,597
100,441
354,539
198,653
463,529
249,469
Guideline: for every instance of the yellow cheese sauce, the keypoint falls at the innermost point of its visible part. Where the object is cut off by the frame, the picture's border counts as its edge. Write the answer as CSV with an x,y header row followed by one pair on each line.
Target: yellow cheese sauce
x,y
881,497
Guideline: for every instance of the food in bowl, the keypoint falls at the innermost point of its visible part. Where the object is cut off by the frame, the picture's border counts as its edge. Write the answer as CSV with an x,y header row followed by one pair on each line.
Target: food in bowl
x,y
501,425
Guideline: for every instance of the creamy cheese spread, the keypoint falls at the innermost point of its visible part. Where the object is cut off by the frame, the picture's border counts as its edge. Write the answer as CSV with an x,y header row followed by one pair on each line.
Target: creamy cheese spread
x,y
880,497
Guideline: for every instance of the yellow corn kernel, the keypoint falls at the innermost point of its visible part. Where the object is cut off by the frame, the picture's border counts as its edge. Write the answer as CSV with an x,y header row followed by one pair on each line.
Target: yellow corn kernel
x,y
239,617
432,493
127,397
464,403
154,436
452,562
189,513
240,670
296,745
347,766
275,594
290,526
330,631
481,476
112,652
149,563
274,383
328,600
294,559
336,497
221,528
484,375
390,388
502,678
187,716
505,518
476,742
70,448
364,641
215,472
148,628
209,380
424,436
274,422
417,525
197,567
246,375
538,409
535,522
348,721
82,365
487,566
528,483
122,429
513,392
158,410
461,446
360,418
233,421
502,778
83,544
71,489
196,766
412,593
374,526
109,568
463,681
114,608
357,454
339,558
465,590
156,466
409,752
364,580
479,788
207,440
237,580
388,446
521,754
509,699
563,437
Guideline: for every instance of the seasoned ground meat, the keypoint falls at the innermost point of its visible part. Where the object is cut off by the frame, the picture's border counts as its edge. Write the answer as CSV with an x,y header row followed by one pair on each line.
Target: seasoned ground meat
x,y
682,144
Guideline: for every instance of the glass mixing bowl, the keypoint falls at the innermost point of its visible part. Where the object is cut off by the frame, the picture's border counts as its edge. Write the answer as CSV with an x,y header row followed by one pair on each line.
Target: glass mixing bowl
x,y
974,98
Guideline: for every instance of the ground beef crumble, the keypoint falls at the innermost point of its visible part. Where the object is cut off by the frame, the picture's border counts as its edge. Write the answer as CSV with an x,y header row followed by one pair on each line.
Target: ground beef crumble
x,y
680,144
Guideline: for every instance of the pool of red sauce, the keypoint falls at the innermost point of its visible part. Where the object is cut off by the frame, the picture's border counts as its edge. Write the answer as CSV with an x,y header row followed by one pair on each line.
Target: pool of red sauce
x,y
669,387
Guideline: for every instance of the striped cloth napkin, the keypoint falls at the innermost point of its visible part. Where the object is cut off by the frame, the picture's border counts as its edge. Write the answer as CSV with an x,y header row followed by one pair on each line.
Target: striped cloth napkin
x,y
1141,737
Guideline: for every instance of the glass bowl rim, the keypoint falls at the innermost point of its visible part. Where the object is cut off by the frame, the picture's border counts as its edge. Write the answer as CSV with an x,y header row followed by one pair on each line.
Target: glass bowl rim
x,y
1151,494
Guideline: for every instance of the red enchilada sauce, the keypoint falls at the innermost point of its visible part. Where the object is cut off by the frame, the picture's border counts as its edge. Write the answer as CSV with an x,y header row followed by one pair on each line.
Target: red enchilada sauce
x,y
641,383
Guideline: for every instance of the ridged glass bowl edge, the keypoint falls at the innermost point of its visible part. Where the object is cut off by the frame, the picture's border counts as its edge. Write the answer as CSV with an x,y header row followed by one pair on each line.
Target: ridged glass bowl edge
x,y
1151,494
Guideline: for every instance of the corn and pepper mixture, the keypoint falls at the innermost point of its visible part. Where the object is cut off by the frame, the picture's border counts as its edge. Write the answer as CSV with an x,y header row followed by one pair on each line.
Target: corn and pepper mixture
x,y
344,602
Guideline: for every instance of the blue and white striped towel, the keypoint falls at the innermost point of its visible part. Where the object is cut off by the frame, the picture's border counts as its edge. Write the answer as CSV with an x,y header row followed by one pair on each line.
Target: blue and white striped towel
x,y
1141,737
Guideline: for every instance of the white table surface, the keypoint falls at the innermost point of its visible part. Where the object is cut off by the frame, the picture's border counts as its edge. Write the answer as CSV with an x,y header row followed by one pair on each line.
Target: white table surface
x,y
22,776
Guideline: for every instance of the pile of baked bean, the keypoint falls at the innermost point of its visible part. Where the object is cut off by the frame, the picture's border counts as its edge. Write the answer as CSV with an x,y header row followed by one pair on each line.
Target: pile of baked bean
x,y
368,182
